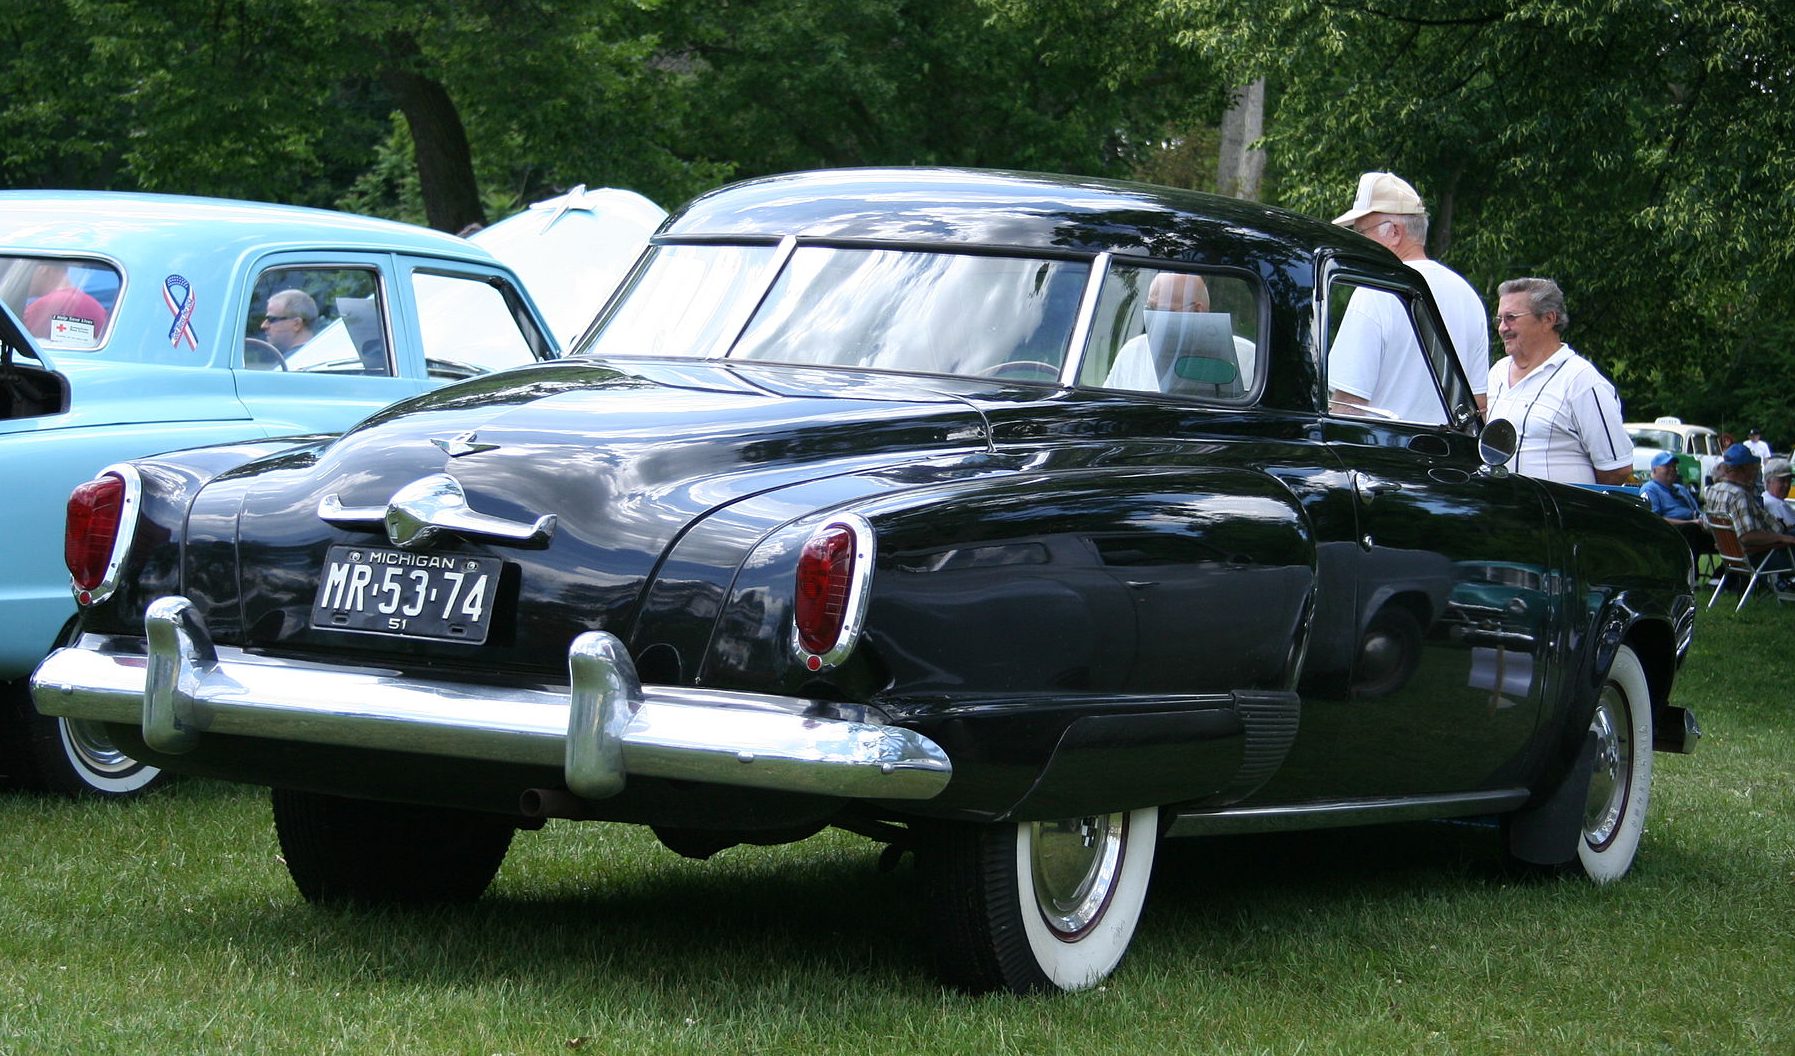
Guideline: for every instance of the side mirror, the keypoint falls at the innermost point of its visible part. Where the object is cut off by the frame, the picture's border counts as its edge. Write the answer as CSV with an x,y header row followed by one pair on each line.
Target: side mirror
x,y
1498,442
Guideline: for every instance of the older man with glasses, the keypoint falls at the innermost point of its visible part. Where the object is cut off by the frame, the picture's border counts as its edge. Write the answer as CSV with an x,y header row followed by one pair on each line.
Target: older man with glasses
x,y
1567,414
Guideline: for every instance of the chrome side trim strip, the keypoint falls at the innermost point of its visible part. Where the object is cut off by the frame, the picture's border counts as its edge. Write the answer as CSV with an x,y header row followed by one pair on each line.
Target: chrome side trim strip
x,y
605,726
1342,813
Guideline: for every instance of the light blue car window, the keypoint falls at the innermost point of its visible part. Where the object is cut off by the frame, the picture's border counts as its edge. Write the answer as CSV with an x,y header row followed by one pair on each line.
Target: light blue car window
x,y
468,327
317,320
65,302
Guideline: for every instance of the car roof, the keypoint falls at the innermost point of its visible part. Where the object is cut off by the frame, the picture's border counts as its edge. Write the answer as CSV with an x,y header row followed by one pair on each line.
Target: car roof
x,y
1029,211
1680,428
123,223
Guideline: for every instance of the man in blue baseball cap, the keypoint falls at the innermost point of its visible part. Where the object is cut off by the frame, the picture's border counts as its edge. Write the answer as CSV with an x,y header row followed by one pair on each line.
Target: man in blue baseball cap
x,y
1672,500
1735,494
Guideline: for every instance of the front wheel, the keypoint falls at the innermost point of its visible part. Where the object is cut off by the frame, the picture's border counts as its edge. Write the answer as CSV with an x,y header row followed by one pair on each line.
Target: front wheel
x,y
1614,809
372,852
1037,906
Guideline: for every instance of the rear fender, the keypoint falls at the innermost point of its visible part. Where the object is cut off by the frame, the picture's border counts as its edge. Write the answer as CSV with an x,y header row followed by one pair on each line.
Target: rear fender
x,y
170,498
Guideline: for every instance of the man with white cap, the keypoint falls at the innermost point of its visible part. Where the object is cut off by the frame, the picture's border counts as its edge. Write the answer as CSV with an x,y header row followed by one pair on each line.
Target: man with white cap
x,y
1375,360
1777,477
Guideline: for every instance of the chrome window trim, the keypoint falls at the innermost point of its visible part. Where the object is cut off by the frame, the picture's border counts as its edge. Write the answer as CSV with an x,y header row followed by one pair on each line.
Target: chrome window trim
x,y
1077,349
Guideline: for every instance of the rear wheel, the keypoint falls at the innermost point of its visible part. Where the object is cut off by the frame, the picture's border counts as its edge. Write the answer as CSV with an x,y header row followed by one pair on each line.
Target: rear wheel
x,y
1614,811
1038,906
367,851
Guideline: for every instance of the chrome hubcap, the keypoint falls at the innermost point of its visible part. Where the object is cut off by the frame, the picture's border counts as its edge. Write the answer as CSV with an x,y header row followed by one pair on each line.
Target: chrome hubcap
x,y
88,744
1075,864
1607,803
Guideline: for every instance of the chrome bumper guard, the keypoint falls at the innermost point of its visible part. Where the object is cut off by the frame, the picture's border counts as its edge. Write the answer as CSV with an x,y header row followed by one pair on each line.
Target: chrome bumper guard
x,y
607,726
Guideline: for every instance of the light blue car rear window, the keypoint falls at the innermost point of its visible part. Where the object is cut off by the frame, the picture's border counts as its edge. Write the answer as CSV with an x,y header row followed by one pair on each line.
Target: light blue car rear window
x,y
65,302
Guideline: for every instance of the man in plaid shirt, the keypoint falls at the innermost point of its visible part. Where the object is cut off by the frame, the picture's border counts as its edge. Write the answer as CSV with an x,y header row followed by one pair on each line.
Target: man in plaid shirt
x,y
1735,494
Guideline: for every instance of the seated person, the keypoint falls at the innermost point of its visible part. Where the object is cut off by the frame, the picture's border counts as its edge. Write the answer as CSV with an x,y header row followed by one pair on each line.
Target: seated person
x,y
1734,494
1672,500
1777,476
288,321
58,312
1175,302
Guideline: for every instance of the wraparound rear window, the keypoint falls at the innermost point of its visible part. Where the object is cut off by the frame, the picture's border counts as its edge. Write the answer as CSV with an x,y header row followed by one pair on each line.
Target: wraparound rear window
x,y
881,309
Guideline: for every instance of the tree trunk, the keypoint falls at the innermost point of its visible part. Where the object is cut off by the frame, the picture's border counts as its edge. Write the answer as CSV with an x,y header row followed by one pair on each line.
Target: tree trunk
x,y
1239,169
438,138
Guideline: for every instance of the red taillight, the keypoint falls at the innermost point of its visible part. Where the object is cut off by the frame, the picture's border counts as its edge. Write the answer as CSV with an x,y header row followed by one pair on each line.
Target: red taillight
x,y
825,575
96,509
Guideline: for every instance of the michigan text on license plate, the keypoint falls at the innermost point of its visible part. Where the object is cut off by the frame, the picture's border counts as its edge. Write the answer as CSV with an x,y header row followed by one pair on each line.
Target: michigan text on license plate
x,y
370,588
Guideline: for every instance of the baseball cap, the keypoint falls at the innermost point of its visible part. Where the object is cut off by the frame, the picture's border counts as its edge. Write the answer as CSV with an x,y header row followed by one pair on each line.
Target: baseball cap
x,y
1739,455
1382,192
1778,467
1753,431
1662,458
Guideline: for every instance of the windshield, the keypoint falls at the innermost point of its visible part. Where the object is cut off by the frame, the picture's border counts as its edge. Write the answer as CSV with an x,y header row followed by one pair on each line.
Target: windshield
x,y
901,310
1658,439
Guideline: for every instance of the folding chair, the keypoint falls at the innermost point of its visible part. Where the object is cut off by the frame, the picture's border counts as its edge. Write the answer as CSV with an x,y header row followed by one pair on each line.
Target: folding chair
x,y
1735,561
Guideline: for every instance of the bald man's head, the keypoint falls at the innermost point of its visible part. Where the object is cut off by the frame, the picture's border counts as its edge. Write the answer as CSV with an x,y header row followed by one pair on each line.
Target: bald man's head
x,y
1172,292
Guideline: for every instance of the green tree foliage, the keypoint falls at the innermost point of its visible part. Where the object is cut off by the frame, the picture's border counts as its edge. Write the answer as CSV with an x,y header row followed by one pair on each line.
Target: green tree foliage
x,y
292,100
781,85
1639,151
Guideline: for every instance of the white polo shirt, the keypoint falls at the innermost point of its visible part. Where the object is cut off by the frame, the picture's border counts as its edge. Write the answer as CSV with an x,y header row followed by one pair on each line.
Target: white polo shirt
x,y
1568,417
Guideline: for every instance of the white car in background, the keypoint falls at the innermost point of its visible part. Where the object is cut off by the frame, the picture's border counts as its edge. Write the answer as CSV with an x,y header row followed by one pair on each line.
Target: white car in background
x,y
571,251
1697,448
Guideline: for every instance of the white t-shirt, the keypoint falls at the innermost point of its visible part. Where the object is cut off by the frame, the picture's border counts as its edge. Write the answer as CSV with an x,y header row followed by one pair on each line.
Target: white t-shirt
x,y
1758,448
1376,357
1466,322
1134,367
1568,417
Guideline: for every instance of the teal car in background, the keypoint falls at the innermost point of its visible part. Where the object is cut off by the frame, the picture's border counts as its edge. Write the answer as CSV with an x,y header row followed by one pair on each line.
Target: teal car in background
x,y
153,311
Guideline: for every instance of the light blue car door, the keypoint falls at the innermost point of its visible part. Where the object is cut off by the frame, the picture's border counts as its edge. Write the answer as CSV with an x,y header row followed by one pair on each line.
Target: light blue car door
x,y
320,348
462,320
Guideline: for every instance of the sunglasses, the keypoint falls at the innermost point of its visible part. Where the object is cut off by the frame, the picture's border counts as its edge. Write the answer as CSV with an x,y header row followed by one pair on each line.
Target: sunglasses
x,y
269,320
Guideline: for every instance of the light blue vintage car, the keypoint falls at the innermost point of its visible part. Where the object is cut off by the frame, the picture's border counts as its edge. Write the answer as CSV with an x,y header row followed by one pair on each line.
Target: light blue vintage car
x,y
174,322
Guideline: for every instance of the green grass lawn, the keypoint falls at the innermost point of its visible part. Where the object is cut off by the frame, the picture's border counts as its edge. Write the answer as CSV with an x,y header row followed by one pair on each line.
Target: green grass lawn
x,y
169,926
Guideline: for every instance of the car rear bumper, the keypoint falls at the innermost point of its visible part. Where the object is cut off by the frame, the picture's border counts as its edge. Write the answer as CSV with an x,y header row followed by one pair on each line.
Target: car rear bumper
x,y
605,726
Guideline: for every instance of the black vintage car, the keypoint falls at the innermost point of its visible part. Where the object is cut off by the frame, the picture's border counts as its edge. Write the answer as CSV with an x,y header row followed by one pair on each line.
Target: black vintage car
x,y
1000,517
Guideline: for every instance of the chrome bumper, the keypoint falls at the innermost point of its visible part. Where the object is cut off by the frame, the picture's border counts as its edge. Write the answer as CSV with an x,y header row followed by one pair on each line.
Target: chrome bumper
x,y
605,727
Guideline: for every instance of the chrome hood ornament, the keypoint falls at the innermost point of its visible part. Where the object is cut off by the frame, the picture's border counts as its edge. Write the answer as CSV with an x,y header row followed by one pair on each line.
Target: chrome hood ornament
x,y
464,444
422,511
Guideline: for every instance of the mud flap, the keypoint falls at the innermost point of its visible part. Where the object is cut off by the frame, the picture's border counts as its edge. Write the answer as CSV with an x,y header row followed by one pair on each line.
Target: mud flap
x,y
1547,832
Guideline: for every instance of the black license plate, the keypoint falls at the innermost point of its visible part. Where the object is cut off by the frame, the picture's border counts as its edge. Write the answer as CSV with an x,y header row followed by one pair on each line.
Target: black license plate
x,y
371,588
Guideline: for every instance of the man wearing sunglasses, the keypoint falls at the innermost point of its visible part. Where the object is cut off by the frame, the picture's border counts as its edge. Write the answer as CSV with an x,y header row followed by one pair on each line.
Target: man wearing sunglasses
x,y
288,323
1377,361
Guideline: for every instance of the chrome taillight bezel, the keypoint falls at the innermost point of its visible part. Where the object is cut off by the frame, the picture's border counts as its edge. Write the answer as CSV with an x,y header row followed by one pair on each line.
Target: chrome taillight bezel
x,y
853,606
129,504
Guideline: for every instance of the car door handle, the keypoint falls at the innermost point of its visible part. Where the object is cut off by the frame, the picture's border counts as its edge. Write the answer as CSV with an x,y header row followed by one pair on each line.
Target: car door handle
x,y
1370,487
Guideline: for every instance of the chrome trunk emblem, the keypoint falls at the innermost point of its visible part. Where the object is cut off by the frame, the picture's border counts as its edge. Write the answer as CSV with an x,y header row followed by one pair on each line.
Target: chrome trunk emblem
x,y
425,509
464,444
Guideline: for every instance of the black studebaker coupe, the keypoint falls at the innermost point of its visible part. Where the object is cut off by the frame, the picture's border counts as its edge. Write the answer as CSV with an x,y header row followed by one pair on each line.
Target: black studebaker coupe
x,y
1001,517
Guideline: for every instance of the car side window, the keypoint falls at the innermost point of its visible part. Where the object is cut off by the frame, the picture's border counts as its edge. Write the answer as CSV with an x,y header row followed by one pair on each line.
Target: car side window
x,y
1384,355
64,302
1174,332
314,320
468,326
